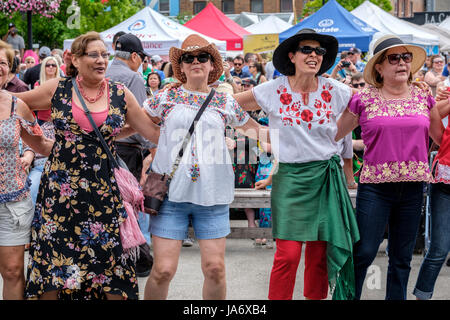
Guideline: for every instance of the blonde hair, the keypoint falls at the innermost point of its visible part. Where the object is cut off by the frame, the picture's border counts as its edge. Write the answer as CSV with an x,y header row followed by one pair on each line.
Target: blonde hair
x,y
43,75
9,53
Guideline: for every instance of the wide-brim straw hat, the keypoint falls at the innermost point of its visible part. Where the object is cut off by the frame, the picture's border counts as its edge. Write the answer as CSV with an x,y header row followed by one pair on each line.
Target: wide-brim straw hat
x,y
282,62
386,42
195,44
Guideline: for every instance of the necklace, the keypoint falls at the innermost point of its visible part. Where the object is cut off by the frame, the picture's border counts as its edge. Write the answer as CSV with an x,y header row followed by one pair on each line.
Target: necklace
x,y
99,93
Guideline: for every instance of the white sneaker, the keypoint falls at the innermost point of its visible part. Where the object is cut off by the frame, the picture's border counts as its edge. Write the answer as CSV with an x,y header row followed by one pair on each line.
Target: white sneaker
x,y
188,242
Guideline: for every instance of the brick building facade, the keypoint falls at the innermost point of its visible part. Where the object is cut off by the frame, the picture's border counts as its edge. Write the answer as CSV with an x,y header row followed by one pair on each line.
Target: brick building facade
x,y
238,6
406,8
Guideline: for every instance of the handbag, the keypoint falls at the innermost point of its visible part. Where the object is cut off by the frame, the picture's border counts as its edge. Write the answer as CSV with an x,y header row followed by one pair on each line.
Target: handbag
x,y
156,185
130,233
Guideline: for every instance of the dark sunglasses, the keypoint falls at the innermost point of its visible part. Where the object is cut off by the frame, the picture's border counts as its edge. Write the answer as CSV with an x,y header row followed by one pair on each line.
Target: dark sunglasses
x,y
395,57
307,50
356,85
143,56
237,64
201,57
50,65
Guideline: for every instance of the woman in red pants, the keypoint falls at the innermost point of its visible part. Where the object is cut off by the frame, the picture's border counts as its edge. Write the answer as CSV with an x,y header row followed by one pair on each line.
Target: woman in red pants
x,y
310,202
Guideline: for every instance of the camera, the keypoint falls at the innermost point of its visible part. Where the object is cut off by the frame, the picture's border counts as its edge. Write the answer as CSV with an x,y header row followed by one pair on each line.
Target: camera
x,y
345,64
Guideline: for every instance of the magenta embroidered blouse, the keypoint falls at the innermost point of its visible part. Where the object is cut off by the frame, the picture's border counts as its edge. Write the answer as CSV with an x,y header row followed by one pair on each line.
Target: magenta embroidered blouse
x,y
395,133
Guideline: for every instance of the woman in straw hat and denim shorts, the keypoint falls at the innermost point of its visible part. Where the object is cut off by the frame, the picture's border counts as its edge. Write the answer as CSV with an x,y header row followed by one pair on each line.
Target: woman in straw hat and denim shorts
x,y
396,119
203,185
310,202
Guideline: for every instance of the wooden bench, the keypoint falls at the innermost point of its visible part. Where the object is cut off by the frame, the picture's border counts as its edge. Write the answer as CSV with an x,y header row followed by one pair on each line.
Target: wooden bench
x,y
251,198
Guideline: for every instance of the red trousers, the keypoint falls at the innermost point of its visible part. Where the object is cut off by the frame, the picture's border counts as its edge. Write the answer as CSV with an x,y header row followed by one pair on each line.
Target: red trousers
x,y
285,265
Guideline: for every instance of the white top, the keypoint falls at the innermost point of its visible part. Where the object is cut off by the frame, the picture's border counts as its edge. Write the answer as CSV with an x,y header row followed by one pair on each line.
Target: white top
x,y
300,133
205,175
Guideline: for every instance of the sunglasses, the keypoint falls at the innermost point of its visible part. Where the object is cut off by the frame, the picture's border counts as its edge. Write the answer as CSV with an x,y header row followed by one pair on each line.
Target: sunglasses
x,y
189,58
395,57
307,50
356,85
50,65
438,61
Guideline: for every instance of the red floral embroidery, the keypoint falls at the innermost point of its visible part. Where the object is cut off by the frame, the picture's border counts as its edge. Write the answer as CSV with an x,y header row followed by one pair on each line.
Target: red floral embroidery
x,y
326,96
286,98
296,111
307,115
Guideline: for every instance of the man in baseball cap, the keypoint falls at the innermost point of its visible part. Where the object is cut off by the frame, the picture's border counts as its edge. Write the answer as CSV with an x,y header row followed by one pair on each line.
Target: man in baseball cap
x,y
354,55
128,57
129,43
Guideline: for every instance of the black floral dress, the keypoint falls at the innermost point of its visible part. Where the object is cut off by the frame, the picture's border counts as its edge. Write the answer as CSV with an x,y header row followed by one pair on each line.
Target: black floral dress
x,y
75,246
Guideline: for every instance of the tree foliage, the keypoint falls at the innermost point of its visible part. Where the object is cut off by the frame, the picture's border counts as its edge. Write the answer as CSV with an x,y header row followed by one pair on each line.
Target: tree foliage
x,y
95,15
315,5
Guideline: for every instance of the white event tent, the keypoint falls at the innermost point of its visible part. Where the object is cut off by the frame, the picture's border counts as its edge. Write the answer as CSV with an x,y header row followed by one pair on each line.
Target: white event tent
x,y
445,24
271,24
157,33
388,24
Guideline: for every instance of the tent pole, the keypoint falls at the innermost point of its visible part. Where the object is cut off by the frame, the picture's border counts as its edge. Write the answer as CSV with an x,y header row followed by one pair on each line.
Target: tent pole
x,y
295,12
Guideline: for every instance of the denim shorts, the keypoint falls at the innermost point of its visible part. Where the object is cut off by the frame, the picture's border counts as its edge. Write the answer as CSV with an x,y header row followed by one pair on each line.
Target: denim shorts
x,y
172,221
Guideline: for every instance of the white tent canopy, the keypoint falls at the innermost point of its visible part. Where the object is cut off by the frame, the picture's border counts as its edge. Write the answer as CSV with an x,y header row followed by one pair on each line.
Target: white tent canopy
x,y
387,23
445,24
271,24
157,32
443,34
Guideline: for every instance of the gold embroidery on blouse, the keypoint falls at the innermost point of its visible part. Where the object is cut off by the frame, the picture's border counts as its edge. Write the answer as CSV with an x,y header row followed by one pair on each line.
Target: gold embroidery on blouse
x,y
395,172
377,106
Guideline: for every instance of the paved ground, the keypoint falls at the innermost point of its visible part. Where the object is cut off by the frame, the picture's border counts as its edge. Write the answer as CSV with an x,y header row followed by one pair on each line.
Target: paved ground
x,y
248,270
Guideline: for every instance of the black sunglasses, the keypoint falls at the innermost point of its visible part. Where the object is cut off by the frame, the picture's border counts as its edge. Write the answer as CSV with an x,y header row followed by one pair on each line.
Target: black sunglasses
x,y
395,57
307,50
50,65
201,57
356,85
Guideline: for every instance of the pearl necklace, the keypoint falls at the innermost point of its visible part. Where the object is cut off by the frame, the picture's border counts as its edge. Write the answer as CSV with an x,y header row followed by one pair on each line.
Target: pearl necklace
x,y
99,93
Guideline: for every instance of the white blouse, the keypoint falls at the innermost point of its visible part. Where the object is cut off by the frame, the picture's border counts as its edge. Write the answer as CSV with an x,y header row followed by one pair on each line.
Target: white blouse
x,y
205,175
302,133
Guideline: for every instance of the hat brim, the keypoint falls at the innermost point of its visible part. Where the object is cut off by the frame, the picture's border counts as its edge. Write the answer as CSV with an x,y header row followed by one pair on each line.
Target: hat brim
x,y
419,57
175,54
282,62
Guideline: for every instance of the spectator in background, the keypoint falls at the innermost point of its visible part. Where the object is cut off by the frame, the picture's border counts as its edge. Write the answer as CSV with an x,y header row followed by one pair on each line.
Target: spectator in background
x,y
14,84
146,68
434,74
33,74
14,39
238,63
249,58
344,69
115,38
153,83
157,62
354,55
258,72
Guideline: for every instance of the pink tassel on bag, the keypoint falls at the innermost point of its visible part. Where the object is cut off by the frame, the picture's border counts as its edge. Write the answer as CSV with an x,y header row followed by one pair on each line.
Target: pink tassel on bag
x,y
133,201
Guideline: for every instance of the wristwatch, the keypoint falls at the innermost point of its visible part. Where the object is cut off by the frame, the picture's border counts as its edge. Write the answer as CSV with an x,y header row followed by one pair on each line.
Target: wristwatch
x,y
229,80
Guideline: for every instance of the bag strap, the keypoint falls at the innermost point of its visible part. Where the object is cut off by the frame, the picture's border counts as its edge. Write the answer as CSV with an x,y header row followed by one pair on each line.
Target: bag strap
x,y
189,135
94,126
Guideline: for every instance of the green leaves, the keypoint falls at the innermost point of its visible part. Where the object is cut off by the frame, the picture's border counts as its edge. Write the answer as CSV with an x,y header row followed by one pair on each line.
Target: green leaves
x,y
94,16
315,5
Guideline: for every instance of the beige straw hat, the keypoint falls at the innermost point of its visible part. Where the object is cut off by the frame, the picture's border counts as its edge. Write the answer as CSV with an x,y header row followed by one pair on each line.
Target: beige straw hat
x,y
386,42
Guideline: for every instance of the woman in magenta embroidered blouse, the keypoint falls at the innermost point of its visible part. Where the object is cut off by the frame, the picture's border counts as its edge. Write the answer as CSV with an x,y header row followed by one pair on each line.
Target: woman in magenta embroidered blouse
x,y
396,119
16,208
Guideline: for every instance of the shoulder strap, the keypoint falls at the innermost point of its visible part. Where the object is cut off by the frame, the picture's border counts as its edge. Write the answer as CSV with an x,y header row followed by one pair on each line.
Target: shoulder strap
x,y
94,126
13,104
191,131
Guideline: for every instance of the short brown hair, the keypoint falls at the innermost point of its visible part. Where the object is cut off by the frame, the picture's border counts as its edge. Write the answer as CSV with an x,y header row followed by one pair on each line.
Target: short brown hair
x,y
78,49
9,53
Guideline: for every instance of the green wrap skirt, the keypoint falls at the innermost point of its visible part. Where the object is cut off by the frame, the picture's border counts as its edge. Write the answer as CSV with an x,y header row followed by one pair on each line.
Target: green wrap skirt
x,y
310,202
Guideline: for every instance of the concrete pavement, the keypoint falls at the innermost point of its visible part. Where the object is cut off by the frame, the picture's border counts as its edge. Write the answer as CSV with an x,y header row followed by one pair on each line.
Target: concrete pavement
x,y
248,271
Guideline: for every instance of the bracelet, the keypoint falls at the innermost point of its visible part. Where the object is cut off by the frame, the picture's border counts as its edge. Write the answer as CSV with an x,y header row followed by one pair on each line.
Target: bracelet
x,y
351,184
229,80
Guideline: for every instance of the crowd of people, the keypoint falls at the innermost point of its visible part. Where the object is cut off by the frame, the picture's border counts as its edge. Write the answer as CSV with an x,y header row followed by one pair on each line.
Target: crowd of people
x,y
309,124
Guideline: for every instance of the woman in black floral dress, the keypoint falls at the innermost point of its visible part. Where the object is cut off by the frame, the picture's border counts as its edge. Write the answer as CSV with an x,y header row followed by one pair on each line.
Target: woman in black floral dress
x,y
76,248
